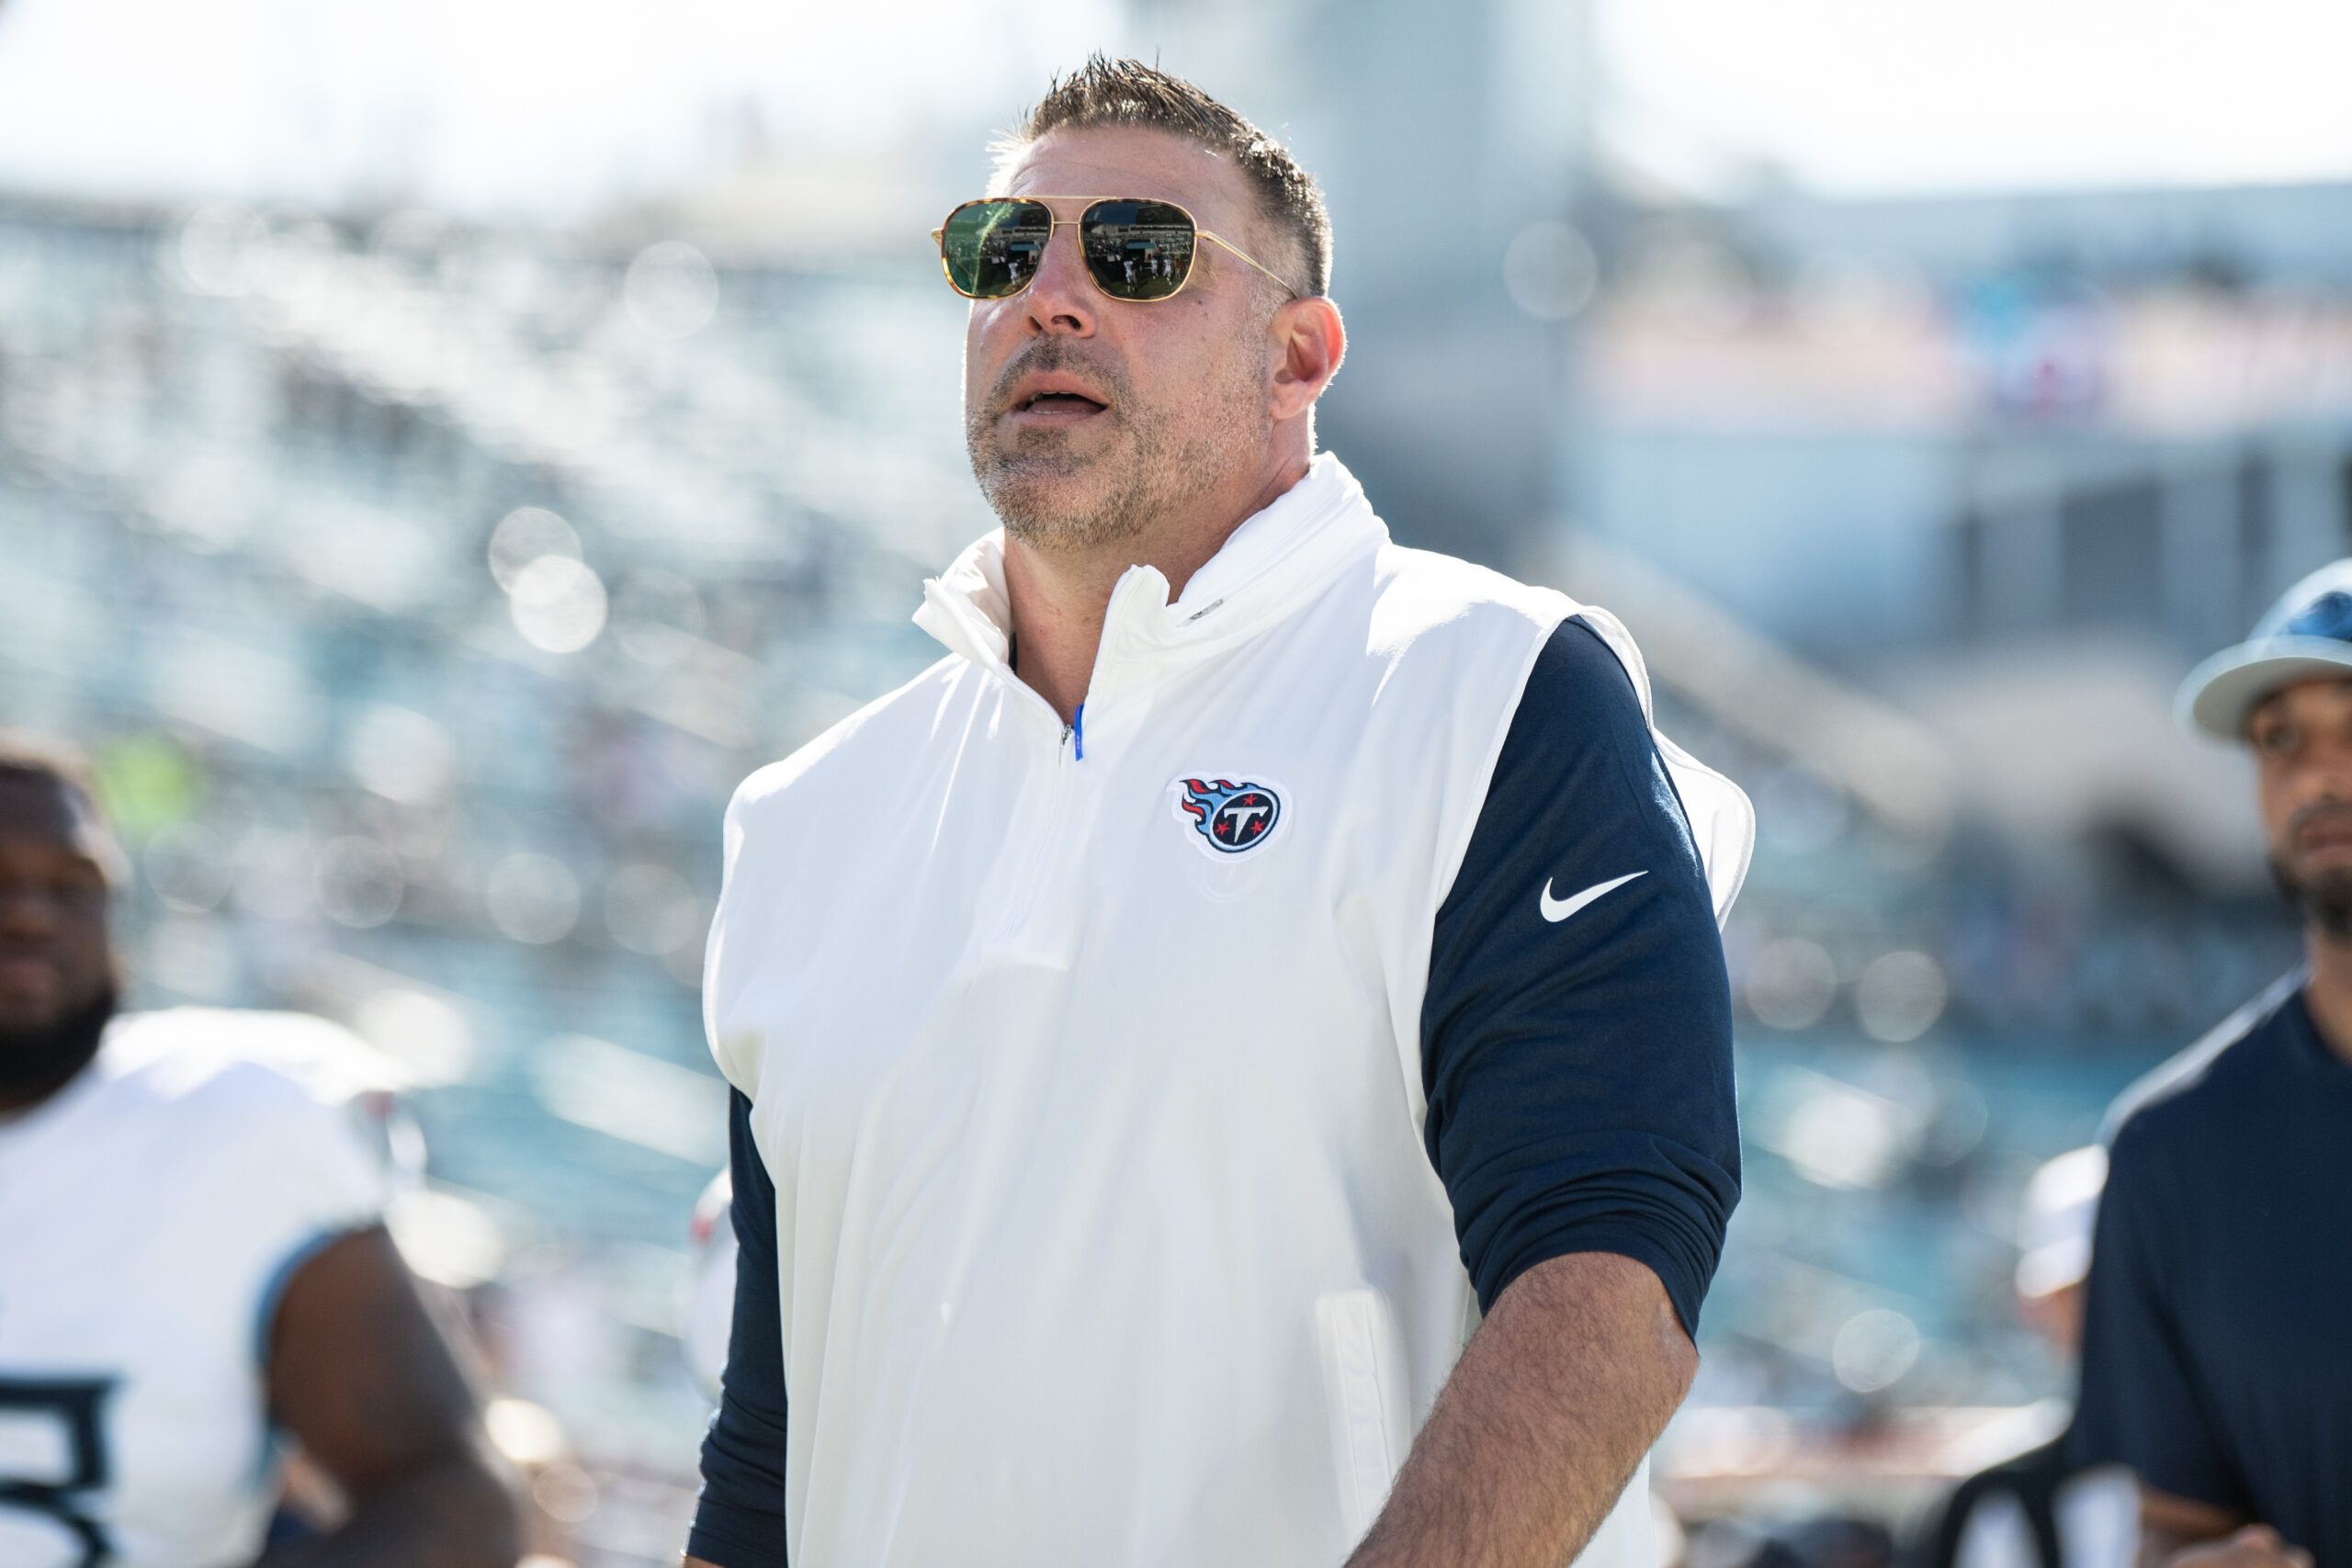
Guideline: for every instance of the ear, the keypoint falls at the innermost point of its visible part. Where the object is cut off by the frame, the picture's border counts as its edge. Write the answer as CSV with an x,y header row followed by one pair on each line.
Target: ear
x,y
1307,340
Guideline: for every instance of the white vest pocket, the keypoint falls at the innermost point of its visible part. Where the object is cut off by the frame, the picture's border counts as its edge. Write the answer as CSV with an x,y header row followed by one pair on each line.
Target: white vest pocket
x,y
1364,1393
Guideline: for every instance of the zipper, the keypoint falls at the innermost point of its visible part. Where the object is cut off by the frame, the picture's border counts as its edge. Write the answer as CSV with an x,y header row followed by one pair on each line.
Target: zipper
x,y
1068,753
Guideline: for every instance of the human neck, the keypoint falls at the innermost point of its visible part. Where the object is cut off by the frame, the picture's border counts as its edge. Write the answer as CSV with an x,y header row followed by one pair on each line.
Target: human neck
x,y
2329,994
1059,598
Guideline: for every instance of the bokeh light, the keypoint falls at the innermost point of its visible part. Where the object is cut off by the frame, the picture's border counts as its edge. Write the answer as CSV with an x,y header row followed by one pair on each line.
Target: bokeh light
x,y
401,754
651,910
1873,1349
1551,271
358,882
532,898
1791,983
524,536
1900,995
559,604
673,291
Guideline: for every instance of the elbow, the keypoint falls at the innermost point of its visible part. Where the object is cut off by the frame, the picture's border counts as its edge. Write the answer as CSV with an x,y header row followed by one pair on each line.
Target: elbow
x,y
1619,1300
465,1507
492,1533
1672,1359
1677,1356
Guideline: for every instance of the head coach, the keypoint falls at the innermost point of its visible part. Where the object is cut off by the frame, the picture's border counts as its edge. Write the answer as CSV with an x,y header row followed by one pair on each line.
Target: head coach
x,y
1162,1029
2215,1358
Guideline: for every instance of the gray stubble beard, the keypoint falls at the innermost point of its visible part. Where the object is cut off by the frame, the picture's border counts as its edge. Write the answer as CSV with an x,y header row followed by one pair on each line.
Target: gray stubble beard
x,y
1160,474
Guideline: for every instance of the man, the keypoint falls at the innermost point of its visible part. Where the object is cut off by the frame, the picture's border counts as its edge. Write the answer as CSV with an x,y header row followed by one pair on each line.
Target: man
x,y
2038,1505
2215,1358
190,1255
1162,1028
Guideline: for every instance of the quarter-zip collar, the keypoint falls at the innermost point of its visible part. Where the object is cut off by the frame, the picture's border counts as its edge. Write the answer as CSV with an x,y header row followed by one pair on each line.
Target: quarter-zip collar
x,y
1268,570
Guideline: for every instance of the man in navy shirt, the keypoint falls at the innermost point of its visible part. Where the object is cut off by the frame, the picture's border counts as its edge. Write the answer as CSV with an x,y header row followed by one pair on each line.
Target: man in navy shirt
x,y
2216,1361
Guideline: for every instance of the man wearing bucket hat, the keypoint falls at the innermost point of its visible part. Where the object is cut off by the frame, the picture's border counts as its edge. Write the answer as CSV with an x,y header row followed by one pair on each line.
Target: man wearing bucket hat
x,y
2215,1359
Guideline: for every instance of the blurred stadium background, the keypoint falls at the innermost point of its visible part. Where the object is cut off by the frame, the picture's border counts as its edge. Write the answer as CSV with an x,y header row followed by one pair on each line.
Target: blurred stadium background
x,y
440,456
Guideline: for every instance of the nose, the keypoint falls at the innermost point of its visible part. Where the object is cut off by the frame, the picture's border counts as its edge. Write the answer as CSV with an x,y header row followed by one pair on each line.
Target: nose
x,y
2318,793
1061,299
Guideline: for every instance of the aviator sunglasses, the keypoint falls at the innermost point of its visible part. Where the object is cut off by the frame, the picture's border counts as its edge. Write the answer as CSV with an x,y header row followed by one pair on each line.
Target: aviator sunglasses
x,y
1136,250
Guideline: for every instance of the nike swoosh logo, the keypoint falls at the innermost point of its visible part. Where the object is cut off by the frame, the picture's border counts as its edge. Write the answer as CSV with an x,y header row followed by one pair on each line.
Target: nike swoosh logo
x,y
1556,910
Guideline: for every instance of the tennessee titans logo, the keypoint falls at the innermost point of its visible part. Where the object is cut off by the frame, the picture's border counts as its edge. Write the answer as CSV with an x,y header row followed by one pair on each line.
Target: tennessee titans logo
x,y
1230,817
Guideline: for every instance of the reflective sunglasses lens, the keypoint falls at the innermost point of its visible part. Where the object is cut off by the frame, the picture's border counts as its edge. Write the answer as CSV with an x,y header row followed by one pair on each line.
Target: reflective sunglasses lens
x,y
993,248
1138,250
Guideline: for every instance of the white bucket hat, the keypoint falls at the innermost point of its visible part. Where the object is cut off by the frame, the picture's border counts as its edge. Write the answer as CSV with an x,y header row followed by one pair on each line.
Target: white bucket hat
x,y
2306,635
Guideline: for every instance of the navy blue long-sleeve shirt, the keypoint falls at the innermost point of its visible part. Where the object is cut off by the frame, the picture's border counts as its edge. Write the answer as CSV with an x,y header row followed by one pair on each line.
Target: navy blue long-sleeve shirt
x,y
739,1521
1578,1070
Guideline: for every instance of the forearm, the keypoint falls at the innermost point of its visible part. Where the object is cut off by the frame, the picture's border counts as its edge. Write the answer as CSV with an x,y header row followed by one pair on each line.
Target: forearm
x,y
454,1514
1559,1395
2179,1532
2159,1546
363,1378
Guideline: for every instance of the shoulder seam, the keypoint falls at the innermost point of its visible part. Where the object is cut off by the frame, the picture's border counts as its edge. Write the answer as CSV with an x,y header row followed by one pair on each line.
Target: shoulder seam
x,y
1450,869
2176,1076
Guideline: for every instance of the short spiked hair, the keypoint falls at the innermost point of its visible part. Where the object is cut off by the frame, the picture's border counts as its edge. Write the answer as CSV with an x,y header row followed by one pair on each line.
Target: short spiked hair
x,y
1105,92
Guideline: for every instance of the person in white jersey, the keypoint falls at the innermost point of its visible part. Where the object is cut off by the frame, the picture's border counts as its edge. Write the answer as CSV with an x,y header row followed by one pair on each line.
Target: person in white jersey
x,y
192,1261
1232,1064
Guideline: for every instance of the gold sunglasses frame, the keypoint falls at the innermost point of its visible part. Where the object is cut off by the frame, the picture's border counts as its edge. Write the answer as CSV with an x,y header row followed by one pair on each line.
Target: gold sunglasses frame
x,y
939,238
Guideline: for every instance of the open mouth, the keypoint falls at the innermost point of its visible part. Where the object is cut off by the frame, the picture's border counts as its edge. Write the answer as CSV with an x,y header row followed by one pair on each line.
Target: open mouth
x,y
1057,407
